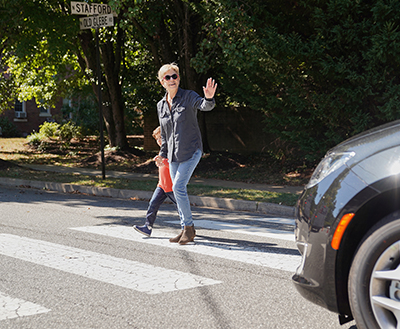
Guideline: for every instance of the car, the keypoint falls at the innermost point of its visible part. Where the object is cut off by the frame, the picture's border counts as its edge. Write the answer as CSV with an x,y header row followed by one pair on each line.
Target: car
x,y
348,230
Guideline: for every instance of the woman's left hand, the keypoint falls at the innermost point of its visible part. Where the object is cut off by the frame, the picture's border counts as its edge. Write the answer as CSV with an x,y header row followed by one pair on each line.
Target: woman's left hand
x,y
210,88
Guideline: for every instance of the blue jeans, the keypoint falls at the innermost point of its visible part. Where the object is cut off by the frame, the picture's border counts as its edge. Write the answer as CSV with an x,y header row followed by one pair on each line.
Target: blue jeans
x,y
156,201
180,175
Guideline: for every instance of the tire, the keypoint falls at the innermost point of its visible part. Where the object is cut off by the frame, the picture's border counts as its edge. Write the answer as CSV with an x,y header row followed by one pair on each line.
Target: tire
x,y
373,300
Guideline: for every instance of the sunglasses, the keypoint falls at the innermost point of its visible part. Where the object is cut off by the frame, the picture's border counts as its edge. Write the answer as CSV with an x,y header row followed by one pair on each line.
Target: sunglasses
x,y
173,76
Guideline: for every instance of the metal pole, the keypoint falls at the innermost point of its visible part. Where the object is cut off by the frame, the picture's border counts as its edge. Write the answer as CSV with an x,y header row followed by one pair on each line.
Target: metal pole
x,y
103,169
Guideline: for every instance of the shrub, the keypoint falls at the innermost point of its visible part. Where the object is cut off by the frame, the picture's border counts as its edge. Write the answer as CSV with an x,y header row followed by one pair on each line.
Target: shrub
x,y
49,129
69,130
35,139
8,129
84,113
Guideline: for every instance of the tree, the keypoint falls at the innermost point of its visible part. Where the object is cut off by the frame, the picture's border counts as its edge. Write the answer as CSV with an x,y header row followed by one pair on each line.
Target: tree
x,y
48,56
20,38
165,32
321,71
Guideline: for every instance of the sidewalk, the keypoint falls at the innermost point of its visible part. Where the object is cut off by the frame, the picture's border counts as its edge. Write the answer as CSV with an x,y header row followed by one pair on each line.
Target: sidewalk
x,y
231,204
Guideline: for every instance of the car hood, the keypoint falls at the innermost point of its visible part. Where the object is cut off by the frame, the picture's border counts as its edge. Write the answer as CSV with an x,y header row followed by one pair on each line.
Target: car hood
x,y
371,141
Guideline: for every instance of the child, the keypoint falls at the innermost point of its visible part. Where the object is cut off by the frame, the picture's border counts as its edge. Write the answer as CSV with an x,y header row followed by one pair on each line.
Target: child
x,y
163,190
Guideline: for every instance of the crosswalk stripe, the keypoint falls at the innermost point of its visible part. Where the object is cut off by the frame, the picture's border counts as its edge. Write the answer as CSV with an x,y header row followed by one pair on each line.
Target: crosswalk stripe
x,y
121,272
243,229
278,220
228,249
11,308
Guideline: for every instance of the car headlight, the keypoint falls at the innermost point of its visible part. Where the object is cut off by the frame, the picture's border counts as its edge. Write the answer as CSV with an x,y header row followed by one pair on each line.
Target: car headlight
x,y
328,165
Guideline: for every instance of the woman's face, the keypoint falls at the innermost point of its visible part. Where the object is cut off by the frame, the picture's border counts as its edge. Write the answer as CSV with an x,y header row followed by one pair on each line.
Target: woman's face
x,y
168,81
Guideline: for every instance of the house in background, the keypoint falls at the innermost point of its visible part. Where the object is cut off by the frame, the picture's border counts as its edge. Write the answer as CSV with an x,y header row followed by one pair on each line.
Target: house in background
x,y
27,116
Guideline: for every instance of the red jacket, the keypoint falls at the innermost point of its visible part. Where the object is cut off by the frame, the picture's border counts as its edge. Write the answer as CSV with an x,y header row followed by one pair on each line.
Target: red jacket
x,y
164,178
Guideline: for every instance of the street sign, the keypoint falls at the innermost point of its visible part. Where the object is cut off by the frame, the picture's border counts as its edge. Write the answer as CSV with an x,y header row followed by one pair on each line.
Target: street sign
x,y
102,16
94,22
84,8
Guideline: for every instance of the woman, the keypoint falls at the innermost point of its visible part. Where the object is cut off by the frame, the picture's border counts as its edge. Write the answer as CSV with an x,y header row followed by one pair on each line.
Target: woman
x,y
181,138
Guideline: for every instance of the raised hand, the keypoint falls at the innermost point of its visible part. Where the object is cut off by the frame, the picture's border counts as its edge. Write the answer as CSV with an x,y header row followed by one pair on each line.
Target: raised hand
x,y
210,88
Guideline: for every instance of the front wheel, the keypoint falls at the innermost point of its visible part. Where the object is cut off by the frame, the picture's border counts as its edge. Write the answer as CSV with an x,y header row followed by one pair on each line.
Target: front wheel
x,y
374,278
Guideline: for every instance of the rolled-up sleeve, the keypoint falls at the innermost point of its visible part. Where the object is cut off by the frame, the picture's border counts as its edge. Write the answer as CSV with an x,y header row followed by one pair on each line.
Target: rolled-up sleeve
x,y
199,103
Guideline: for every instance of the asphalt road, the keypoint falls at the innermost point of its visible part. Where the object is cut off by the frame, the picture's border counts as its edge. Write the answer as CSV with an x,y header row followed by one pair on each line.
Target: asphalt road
x,y
74,261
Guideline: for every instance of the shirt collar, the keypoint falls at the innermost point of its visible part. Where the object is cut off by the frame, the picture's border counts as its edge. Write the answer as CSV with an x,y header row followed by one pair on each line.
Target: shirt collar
x,y
178,94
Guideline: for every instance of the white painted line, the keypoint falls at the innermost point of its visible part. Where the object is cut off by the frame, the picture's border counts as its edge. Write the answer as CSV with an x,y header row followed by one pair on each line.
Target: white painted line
x,y
279,220
11,308
243,229
228,249
121,272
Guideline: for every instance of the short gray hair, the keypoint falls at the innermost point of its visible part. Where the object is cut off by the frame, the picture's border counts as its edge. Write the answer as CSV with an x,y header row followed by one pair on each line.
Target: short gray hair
x,y
166,68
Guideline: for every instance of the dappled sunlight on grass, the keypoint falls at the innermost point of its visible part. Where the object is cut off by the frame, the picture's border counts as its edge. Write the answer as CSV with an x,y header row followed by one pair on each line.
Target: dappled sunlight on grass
x,y
12,144
244,194
148,185
218,165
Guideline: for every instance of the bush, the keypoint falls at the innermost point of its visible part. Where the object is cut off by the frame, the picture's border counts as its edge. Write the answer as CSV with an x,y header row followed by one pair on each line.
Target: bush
x,y
69,130
65,132
83,113
35,139
49,129
321,71
8,129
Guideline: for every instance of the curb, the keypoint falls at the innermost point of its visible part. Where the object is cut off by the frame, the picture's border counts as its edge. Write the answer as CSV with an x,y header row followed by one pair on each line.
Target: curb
x,y
210,202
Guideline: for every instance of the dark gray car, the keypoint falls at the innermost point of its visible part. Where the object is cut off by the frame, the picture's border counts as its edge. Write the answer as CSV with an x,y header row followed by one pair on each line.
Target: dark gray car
x,y
348,230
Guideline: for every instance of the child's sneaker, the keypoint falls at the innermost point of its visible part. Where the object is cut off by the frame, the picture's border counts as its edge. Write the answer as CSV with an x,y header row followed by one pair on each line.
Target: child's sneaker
x,y
146,230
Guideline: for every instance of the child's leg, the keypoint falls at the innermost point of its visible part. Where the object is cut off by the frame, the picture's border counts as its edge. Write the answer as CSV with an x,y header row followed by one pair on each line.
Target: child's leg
x,y
157,199
171,196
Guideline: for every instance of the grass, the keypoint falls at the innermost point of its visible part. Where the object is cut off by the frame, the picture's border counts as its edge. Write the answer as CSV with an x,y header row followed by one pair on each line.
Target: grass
x,y
10,147
16,151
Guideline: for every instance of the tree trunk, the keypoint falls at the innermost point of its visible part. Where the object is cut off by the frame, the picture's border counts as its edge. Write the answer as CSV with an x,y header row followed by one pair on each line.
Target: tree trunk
x,y
112,67
112,107
107,115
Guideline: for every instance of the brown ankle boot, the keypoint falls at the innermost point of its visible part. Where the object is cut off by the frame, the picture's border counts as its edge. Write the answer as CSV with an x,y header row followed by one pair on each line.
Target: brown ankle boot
x,y
188,235
177,238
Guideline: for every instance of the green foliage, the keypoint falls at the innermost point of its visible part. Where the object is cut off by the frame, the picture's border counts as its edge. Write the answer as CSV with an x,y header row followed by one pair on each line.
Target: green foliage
x,y
321,71
35,139
83,111
141,89
39,49
6,88
69,130
49,129
8,129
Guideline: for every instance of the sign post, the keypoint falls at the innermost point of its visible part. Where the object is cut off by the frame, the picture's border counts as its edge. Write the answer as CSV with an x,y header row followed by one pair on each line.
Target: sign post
x,y
102,16
103,166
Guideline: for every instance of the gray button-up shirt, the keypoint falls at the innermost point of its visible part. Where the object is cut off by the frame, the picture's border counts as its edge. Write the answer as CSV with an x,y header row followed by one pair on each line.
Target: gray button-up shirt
x,y
180,132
